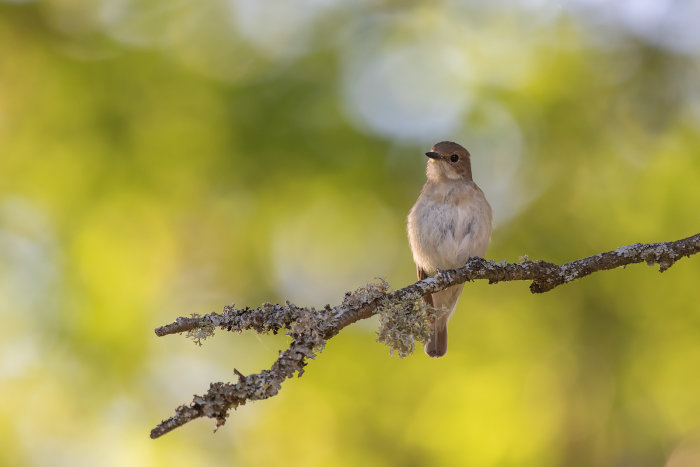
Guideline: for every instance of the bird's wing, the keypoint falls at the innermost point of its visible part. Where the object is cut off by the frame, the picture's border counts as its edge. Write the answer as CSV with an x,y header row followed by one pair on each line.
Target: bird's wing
x,y
427,299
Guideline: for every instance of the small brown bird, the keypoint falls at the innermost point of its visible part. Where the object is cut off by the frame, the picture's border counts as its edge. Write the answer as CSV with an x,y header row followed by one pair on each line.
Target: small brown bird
x,y
450,222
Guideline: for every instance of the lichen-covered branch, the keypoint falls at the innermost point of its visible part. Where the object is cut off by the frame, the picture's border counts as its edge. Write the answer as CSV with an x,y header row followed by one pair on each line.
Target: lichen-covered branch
x,y
404,319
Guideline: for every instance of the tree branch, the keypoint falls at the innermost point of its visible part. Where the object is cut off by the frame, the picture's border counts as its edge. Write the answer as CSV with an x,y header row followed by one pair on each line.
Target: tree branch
x,y
310,328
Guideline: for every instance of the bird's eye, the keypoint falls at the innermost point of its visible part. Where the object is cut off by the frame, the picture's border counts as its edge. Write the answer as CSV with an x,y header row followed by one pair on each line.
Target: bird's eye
x,y
454,157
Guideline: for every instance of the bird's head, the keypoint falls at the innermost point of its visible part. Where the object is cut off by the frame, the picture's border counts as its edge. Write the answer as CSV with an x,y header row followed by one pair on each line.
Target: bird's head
x,y
450,161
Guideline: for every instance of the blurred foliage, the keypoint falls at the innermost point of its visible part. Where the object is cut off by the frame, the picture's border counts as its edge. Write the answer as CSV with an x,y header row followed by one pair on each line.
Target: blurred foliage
x,y
164,158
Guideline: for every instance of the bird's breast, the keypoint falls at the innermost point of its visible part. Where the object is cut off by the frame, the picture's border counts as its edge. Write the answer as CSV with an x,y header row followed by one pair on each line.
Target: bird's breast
x,y
445,229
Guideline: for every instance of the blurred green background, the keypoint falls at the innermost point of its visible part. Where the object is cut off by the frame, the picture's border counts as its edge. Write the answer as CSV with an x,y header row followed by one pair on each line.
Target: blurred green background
x,y
162,158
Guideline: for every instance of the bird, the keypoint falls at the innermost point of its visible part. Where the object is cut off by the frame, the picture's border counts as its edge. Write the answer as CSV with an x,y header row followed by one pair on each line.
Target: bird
x,y
450,222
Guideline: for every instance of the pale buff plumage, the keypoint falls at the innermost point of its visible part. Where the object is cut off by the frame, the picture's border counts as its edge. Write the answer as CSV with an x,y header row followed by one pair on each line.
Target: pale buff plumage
x,y
450,222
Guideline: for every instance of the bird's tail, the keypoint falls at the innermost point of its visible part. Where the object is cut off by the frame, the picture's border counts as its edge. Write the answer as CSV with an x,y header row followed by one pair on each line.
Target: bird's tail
x,y
437,344
444,303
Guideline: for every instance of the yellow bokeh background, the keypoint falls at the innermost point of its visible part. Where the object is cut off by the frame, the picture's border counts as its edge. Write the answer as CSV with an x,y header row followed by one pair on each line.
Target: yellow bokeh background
x,y
159,159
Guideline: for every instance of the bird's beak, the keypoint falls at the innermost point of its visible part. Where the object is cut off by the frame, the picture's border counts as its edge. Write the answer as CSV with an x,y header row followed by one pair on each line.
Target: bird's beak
x,y
433,155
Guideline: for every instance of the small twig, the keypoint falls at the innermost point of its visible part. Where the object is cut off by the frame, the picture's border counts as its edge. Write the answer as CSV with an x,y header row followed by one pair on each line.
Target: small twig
x,y
310,329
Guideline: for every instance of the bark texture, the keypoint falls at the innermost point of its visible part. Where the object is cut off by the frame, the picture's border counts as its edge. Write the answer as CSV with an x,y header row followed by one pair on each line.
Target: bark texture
x,y
309,328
